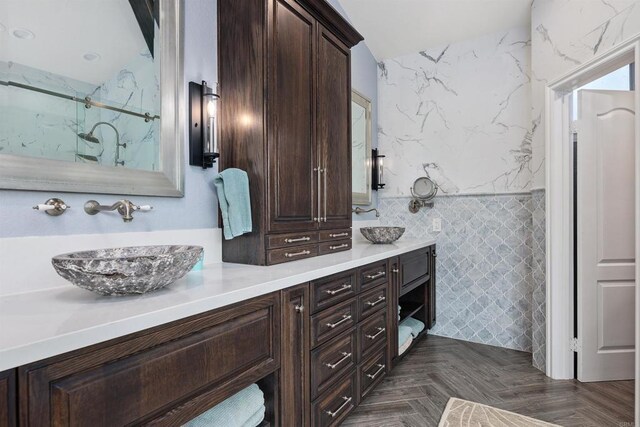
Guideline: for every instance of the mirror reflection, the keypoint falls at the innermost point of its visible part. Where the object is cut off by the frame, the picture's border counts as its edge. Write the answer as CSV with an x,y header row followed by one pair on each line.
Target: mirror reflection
x,y
360,149
80,81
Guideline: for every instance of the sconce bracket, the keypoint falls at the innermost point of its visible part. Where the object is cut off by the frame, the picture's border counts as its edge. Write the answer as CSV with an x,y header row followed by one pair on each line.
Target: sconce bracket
x,y
197,126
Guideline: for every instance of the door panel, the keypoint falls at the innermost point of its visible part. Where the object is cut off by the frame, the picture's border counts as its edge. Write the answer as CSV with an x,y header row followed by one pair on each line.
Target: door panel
x,y
334,129
292,150
606,235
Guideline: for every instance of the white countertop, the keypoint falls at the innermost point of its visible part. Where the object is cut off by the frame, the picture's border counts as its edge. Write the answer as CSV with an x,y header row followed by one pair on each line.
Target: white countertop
x,y
41,324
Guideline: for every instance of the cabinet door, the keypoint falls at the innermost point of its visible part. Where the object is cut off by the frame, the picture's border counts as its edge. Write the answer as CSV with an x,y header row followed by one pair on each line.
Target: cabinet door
x,y
8,398
294,372
293,198
334,129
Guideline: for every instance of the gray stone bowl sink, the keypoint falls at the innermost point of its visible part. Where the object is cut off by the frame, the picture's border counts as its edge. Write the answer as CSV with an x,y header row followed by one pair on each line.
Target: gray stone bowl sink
x,y
382,235
128,270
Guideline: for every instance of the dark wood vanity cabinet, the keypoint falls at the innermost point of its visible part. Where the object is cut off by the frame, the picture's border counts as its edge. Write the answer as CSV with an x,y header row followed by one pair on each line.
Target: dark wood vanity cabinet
x,y
316,350
285,78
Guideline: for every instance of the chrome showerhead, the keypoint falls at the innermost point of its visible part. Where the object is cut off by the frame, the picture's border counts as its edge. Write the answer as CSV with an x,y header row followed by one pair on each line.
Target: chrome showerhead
x,y
89,137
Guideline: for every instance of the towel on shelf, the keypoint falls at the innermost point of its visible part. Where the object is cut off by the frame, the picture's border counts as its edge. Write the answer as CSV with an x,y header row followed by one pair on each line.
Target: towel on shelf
x,y
235,203
415,325
404,347
256,418
404,332
236,411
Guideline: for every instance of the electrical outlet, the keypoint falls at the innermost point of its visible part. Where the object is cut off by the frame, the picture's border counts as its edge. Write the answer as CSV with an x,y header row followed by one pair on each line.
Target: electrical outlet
x,y
437,224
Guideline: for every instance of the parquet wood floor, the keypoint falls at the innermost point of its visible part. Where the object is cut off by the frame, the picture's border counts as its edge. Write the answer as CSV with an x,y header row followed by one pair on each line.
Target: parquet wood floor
x,y
417,390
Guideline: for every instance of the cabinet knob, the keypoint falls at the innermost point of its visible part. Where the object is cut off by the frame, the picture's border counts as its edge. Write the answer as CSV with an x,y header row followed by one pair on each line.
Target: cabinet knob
x,y
395,270
299,308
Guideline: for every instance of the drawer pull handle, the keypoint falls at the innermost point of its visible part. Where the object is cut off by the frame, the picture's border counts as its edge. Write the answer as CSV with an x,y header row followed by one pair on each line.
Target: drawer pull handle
x,y
374,303
345,317
299,239
374,336
375,374
345,356
347,400
340,289
375,276
291,255
344,245
332,235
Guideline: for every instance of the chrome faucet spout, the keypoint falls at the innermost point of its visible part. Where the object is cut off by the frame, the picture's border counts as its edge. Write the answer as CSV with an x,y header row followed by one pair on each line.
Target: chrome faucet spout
x,y
124,207
359,211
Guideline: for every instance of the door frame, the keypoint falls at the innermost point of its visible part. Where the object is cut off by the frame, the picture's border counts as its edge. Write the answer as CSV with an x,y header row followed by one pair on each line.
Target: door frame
x,y
559,204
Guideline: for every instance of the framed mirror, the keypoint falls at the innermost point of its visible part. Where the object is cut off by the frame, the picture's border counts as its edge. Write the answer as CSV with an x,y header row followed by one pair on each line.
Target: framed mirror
x,y
360,149
92,96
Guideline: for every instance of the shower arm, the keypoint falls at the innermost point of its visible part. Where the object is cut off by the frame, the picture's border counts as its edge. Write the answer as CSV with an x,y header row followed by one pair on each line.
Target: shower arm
x,y
118,145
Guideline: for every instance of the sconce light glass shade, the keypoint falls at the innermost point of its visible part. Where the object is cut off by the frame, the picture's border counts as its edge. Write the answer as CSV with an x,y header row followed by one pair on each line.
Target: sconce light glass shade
x,y
203,130
377,172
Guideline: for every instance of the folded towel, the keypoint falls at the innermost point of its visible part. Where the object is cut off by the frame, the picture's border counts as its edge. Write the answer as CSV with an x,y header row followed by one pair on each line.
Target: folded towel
x,y
404,347
404,332
236,411
415,325
235,203
256,418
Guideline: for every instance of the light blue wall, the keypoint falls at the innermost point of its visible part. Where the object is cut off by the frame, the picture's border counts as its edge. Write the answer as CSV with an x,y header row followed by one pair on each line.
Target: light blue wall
x,y
198,208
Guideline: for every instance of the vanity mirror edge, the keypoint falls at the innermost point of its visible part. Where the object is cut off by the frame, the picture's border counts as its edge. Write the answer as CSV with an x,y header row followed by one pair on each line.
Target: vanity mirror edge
x,y
359,198
27,173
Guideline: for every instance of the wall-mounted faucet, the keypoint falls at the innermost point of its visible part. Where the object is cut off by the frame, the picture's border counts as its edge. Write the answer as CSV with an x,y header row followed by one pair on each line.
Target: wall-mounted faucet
x,y
359,211
124,207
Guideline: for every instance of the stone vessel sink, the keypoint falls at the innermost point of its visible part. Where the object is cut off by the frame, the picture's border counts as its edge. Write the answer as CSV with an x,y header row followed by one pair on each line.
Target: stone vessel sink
x,y
128,270
382,235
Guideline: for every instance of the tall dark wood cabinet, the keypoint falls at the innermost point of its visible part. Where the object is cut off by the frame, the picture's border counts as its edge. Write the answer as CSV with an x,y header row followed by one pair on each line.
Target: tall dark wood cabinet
x,y
285,86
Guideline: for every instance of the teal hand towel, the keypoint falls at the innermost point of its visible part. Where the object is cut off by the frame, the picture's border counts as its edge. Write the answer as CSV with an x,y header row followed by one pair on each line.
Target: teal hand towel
x,y
236,411
404,333
256,418
235,203
415,325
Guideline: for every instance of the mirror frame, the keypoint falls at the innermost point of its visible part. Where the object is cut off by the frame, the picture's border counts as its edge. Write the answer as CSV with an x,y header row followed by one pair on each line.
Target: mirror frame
x,y
31,173
364,102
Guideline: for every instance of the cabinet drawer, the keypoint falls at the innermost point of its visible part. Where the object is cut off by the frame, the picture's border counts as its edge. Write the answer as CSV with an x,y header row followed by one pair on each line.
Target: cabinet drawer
x,y
331,360
372,301
337,246
277,256
328,235
372,333
373,275
372,371
328,291
291,239
335,404
414,267
333,321
151,375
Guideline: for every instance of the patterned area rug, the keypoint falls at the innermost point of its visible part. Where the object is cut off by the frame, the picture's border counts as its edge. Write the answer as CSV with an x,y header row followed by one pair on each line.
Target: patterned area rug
x,y
464,413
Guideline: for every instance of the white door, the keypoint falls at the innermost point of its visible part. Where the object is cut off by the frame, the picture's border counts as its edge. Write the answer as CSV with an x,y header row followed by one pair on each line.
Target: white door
x,y
606,235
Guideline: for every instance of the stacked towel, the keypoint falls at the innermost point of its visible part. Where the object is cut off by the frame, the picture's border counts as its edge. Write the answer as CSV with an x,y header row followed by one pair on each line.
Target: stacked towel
x,y
415,325
404,338
243,409
405,346
235,203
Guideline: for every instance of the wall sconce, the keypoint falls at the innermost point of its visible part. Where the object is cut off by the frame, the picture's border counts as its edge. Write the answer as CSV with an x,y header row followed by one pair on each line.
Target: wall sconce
x,y
203,130
377,174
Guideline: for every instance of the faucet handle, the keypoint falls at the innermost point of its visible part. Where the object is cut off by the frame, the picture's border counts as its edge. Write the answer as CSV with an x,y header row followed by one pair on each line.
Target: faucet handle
x,y
142,208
